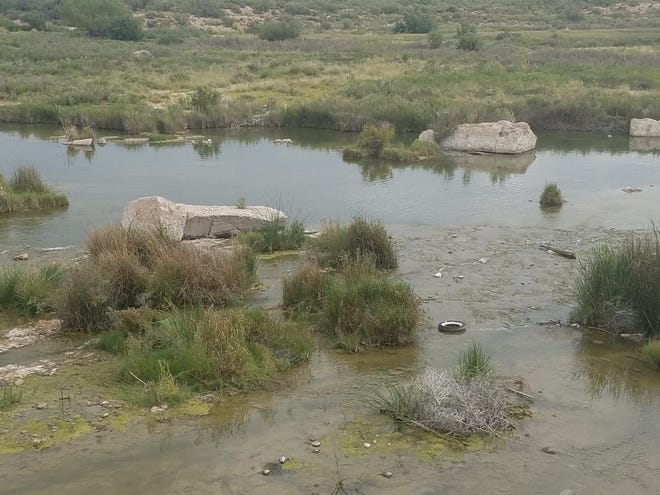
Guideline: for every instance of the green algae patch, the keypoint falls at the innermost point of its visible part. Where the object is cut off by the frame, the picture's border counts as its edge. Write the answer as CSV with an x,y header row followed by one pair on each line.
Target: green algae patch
x,y
44,433
383,436
293,464
191,407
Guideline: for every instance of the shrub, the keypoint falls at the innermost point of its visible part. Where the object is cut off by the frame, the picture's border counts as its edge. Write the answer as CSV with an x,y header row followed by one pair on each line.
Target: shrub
x,y
27,180
364,310
551,196
104,18
435,38
278,30
415,22
467,38
361,238
205,99
374,138
618,288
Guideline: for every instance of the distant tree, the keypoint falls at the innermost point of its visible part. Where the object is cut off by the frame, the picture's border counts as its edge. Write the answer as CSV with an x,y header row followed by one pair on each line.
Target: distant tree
x,y
467,37
415,22
104,18
278,30
435,38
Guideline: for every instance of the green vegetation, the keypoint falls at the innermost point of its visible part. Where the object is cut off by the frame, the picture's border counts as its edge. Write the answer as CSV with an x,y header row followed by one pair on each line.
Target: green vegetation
x,y
10,396
30,291
104,18
474,363
651,351
551,196
414,22
359,309
350,69
362,238
134,268
27,191
618,287
375,142
286,29
275,236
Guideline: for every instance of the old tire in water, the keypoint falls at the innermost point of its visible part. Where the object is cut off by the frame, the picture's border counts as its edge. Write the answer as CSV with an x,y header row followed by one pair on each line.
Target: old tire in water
x,y
451,326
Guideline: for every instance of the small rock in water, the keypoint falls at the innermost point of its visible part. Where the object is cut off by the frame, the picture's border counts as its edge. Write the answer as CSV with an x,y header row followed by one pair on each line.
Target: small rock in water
x,y
282,459
483,260
22,257
438,274
315,443
366,445
567,492
386,474
316,451
630,189
549,450
105,415
265,472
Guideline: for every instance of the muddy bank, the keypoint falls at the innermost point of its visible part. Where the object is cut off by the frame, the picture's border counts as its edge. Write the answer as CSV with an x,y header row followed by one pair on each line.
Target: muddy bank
x,y
595,405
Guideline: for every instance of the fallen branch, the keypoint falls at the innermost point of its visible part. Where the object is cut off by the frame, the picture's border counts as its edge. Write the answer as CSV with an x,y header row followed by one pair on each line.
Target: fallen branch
x,y
138,378
522,394
559,251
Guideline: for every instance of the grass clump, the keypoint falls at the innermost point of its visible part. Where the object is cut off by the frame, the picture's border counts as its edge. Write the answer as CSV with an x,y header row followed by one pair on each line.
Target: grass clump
x,y
474,363
359,309
27,191
551,196
276,236
208,349
134,268
651,352
30,291
618,287
361,238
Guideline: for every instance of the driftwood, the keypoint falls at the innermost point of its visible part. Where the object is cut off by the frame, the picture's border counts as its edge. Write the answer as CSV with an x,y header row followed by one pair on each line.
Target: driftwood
x,y
559,251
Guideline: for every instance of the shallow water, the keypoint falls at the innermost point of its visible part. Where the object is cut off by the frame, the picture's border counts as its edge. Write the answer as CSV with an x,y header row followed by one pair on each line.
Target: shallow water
x,y
310,180
595,404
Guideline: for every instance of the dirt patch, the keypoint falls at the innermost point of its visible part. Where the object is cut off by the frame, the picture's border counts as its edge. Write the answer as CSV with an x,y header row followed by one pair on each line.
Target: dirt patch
x,y
29,334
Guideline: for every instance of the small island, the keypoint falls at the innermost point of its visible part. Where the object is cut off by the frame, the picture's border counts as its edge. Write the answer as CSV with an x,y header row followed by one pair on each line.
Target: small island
x,y
27,191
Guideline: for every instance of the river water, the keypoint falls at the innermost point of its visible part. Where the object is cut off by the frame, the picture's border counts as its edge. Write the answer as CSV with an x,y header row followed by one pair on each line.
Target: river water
x,y
595,406
309,179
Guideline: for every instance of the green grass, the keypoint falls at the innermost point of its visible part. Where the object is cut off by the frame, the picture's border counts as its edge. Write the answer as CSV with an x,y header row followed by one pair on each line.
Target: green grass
x,y
302,291
27,191
361,238
207,349
473,363
30,291
651,351
618,287
275,236
551,196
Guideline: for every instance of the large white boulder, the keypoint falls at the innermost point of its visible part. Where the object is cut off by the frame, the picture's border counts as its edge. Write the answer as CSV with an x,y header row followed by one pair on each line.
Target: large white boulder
x,y
181,221
644,128
491,137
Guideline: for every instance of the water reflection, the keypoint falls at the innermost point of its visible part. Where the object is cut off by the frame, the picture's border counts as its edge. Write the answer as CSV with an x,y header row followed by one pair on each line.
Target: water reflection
x,y
207,148
614,368
645,144
72,152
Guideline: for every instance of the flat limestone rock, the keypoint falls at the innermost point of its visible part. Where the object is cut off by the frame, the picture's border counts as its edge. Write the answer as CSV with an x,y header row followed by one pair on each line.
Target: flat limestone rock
x,y
491,137
644,128
182,221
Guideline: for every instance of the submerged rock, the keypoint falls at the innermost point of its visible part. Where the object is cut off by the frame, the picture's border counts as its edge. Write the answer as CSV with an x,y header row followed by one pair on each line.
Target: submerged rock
x,y
22,336
645,128
491,137
181,221
18,372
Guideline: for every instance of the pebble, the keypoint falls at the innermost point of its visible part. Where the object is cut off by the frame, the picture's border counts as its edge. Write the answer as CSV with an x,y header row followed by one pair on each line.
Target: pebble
x,y
22,257
282,459
41,405
549,450
316,451
315,443
105,415
19,382
265,472
386,474
366,445
156,409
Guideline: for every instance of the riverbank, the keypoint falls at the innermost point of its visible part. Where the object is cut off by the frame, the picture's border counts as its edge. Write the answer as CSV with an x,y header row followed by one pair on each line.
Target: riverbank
x,y
570,80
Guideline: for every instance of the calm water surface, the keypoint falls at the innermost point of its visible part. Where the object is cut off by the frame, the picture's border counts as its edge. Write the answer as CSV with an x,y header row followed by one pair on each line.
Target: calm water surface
x,y
310,180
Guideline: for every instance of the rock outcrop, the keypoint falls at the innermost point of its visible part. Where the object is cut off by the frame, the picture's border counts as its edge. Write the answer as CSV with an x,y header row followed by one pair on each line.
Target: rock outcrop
x,y
427,136
644,128
491,137
181,221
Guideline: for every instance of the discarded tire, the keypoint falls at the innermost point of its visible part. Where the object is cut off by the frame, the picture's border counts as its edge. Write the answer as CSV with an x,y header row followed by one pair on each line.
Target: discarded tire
x,y
451,326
